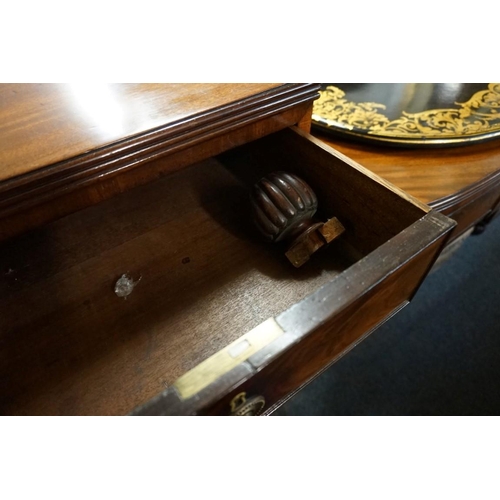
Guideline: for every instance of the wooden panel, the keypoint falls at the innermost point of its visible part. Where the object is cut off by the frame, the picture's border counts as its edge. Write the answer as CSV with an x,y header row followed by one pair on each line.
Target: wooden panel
x,y
371,209
326,324
438,177
42,124
23,207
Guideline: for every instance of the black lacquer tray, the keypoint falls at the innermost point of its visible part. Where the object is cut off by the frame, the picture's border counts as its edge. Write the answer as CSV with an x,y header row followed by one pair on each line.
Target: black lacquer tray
x,y
410,114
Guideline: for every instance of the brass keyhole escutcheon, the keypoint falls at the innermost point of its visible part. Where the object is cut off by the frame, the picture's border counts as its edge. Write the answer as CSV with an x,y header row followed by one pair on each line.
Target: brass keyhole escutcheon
x,y
243,407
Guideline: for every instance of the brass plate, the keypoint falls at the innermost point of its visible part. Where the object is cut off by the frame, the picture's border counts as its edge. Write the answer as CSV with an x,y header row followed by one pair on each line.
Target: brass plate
x,y
228,358
410,114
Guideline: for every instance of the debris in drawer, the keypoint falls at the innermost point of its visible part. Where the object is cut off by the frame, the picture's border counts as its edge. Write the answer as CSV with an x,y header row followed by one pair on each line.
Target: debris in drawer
x,y
125,285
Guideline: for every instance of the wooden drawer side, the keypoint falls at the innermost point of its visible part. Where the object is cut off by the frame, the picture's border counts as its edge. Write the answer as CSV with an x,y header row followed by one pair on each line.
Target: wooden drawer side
x,y
371,209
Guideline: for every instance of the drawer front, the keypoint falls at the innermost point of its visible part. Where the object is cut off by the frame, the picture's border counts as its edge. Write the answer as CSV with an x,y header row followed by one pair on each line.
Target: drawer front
x,y
329,342
320,329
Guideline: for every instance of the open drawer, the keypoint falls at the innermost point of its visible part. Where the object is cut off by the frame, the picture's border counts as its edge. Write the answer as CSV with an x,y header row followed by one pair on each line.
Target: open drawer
x,y
218,320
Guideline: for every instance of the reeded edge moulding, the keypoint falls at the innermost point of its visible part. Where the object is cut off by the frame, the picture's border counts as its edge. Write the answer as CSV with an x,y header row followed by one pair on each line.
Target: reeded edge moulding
x,y
478,119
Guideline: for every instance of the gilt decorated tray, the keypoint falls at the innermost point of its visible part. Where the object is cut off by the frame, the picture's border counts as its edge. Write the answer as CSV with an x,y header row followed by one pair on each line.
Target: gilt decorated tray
x,y
410,114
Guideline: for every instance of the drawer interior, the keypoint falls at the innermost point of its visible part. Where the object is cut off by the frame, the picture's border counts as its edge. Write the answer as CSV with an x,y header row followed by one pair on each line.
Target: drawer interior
x,y
371,210
204,277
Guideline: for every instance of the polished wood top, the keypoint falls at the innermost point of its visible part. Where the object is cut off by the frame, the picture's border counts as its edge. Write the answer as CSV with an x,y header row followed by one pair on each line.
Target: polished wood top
x,y
440,177
66,147
42,124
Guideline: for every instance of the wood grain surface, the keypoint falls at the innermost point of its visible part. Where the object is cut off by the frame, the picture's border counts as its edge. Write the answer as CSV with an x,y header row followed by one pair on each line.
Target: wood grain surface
x,y
42,124
371,209
188,130
324,326
316,346
70,345
442,178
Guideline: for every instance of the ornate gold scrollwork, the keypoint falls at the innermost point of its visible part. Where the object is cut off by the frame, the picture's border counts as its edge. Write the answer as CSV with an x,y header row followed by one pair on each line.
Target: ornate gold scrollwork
x,y
478,116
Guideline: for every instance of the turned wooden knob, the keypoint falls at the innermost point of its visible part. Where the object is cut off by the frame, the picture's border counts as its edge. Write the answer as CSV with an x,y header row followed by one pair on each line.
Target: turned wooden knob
x,y
283,208
283,205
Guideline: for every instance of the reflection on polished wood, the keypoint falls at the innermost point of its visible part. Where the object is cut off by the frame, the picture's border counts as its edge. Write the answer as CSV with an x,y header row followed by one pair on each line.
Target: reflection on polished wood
x,y
463,183
66,147
41,124
435,176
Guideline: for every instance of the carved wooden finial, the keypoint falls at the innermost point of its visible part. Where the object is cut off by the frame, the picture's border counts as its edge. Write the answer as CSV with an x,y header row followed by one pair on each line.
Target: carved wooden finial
x,y
284,206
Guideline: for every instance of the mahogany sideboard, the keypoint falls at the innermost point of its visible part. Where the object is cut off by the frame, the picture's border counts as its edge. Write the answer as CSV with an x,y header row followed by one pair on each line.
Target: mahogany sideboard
x,y
146,186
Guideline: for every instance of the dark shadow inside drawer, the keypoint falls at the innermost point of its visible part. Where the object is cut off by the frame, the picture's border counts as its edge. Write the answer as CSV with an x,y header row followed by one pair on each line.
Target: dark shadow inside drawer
x,y
371,211
202,274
